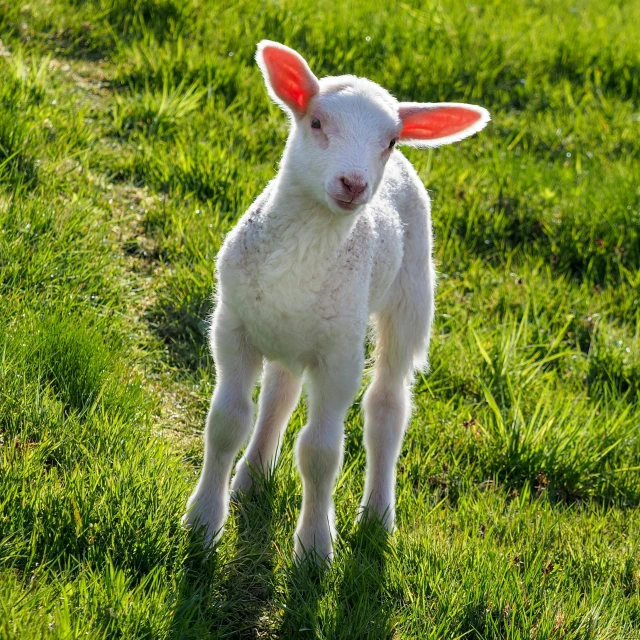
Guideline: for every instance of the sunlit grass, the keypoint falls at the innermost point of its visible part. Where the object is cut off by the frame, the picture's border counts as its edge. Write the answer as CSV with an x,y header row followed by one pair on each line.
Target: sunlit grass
x,y
132,136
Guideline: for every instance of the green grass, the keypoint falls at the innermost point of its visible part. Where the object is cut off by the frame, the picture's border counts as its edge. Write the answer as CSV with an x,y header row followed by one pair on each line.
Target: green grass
x,y
132,136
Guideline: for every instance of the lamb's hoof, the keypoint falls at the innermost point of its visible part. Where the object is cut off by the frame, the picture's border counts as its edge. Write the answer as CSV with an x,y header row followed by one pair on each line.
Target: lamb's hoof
x,y
242,482
206,515
313,546
384,517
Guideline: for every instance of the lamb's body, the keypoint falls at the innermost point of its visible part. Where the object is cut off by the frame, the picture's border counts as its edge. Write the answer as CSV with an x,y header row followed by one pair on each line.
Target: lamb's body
x,y
305,283
341,238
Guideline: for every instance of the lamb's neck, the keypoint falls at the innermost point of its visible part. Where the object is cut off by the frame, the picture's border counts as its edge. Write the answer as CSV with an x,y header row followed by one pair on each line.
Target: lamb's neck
x,y
299,218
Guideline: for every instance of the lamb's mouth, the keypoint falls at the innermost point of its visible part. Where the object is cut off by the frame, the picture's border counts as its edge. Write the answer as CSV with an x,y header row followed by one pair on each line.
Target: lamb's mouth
x,y
347,206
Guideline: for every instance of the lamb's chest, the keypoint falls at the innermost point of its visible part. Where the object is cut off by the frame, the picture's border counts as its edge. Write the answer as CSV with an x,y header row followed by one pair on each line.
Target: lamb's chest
x,y
295,299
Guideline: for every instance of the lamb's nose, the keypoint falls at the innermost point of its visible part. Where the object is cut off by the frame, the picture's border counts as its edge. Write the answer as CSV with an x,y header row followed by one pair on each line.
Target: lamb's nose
x,y
354,186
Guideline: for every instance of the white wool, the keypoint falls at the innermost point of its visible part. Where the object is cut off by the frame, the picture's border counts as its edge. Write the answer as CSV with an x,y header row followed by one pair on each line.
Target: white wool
x,y
340,240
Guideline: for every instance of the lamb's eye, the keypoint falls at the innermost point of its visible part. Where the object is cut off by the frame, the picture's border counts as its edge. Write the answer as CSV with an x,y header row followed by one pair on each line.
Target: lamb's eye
x,y
392,143
315,124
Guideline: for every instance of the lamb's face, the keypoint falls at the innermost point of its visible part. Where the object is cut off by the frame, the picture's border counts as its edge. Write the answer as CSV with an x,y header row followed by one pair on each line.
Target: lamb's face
x,y
341,145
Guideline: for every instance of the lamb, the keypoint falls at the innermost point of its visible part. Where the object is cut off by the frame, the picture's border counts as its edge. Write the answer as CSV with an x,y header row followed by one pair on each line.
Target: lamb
x,y
341,237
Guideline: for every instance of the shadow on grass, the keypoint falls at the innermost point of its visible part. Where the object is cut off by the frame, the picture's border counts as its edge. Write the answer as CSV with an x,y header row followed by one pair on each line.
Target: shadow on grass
x,y
240,592
195,603
305,587
182,326
233,589
360,608
249,585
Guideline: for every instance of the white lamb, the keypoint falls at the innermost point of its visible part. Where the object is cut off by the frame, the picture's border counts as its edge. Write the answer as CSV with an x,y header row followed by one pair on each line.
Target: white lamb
x,y
341,235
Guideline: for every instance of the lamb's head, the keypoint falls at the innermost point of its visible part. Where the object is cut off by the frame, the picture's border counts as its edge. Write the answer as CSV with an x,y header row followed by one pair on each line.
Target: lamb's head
x,y
344,128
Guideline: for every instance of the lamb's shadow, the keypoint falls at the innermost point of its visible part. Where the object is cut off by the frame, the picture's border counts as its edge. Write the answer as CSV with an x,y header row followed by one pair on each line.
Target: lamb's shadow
x,y
305,587
227,591
361,610
196,595
248,587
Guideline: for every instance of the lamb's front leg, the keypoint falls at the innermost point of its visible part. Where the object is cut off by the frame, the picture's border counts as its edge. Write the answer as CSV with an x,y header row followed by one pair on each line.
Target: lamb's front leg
x,y
228,424
332,388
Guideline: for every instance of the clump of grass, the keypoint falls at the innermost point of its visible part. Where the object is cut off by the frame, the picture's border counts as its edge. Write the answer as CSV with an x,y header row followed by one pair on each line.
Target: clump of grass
x,y
19,87
29,75
614,367
566,448
17,165
155,114
80,368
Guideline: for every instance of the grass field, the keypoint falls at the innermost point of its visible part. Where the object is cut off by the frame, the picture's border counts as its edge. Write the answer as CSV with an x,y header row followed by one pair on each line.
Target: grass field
x,y
132,136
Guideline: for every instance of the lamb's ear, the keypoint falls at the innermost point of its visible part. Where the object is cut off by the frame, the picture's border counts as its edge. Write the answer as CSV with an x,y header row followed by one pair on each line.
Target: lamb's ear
x,y
290,82
432,124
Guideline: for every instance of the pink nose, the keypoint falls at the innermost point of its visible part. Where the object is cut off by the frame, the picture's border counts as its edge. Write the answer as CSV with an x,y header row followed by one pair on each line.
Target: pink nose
x,y
353,186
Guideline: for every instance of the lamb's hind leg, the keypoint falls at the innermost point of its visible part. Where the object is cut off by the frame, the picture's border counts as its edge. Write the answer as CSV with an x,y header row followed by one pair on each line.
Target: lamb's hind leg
x,y
278,398
228,424
402,337
386,409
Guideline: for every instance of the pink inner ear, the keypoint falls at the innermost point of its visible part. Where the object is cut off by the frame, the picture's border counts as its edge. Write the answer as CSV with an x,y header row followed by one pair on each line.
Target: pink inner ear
x,y
439,122
289,77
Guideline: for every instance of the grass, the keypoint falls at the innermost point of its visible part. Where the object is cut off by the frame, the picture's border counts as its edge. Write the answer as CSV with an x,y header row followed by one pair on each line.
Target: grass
x,y
132,136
